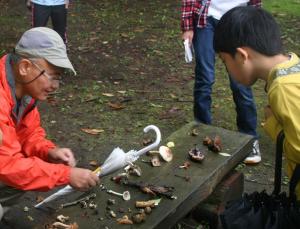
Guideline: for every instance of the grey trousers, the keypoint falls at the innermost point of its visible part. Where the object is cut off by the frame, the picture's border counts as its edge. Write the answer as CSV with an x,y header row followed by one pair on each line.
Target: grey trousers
x,y
8,197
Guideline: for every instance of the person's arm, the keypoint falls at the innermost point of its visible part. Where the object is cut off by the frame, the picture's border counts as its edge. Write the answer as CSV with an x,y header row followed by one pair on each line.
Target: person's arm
x,y
283,99
188,9
33,137
271,125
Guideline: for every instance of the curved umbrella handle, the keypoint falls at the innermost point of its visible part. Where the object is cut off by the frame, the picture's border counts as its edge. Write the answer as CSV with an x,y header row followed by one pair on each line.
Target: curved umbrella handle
x,y
154,144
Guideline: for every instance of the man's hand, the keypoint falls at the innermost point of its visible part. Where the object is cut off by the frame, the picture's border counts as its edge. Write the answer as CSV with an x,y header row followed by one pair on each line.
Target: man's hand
x,y
188,35
83,179
62,155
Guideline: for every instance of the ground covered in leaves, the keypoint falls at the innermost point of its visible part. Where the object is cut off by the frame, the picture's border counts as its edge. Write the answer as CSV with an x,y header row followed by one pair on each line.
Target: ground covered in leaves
x,y
131,73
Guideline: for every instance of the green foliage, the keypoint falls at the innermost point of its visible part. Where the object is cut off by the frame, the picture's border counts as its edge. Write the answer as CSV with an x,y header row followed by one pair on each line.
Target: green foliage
x,y
283,7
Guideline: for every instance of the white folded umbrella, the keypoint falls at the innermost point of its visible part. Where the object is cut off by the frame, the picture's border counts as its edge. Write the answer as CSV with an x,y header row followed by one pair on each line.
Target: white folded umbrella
x,y
116,160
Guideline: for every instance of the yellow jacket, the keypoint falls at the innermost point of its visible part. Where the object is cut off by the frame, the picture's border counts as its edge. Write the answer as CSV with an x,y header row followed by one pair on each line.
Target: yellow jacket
x,y
283,87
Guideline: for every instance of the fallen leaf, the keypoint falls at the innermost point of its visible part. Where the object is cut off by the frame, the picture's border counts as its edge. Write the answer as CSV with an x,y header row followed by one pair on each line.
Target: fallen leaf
x,y
147,141
194,132
108,94
39,199
125,35
52,101
121,92
225,154
155,105
93,163
173,96
116,106
92,131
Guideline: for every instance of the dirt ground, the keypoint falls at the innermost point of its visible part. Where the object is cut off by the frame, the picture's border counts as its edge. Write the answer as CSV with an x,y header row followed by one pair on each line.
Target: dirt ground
x,y
131,73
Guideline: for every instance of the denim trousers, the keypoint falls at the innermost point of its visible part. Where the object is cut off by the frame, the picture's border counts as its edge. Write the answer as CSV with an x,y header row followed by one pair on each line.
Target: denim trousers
x,y
205,77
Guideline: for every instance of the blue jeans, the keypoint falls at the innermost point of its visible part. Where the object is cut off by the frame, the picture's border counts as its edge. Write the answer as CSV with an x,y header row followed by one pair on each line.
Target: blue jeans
x,y
205,78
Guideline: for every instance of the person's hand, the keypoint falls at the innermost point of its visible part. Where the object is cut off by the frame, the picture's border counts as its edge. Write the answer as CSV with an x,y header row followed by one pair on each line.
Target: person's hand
x,y
188,35
62,155
83,179
268,112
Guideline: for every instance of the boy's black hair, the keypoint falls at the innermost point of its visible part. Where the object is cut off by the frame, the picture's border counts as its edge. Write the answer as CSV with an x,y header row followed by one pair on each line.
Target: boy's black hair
x,y
247,26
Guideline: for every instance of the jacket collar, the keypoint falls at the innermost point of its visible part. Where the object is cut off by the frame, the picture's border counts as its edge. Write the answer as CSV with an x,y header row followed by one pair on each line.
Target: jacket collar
x,y
26,102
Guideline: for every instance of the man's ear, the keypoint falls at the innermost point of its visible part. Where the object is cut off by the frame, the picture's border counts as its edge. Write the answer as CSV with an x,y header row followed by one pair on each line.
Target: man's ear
x,y
24,67
242,54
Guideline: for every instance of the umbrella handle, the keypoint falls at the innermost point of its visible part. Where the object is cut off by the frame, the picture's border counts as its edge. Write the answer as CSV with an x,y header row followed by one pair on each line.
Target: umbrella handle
x,y
154,144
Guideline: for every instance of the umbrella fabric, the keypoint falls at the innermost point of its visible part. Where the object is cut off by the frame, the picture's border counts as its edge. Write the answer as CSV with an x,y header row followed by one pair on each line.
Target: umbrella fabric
x,y
116,160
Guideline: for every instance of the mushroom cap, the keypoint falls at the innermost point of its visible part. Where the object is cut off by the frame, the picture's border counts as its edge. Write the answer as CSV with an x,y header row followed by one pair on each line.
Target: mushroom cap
x,y
196,155
166,153
126,195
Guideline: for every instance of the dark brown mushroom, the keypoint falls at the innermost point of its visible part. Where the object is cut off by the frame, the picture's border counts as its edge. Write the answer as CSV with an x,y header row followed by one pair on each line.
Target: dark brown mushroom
x,y
196,155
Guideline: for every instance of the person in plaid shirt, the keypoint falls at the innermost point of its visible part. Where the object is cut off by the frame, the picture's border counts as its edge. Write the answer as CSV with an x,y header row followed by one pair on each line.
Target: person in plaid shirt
x,y
198,21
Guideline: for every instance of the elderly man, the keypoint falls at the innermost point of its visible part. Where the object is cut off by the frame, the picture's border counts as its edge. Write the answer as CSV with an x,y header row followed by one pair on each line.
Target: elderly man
x,y
28,161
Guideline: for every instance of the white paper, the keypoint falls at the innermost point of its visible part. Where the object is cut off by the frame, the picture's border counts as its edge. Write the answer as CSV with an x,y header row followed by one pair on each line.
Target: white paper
x,y
188,51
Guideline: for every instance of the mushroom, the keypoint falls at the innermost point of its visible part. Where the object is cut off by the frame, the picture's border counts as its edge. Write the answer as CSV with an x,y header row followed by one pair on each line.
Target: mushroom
x,y
133,169
124,220
92,205
185,165
148,210
207,141
196,155
213,144
62,218
155,162
139,217
112,214
171,144
65,226
166,153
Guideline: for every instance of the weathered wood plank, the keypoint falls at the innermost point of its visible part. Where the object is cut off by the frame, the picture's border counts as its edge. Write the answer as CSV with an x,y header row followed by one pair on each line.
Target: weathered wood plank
x,y
203,179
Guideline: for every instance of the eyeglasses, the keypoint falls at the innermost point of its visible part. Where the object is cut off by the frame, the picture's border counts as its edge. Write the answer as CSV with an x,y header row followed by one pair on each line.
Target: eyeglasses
x,y
52,79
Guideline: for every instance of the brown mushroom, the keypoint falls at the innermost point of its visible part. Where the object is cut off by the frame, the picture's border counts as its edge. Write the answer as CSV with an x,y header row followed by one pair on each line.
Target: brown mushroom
x,y
196,155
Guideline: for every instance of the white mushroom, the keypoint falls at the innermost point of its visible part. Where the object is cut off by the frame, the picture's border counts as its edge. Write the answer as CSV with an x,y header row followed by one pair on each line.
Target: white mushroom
x,y
65,226
62,218
166,153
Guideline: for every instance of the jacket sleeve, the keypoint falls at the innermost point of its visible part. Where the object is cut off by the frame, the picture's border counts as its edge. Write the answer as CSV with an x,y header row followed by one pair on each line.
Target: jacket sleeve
x,y
272,127
33,137
284,102
188,10
23,170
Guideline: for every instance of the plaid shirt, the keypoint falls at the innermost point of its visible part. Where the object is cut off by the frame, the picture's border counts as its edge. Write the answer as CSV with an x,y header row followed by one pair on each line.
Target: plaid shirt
x,y
190,10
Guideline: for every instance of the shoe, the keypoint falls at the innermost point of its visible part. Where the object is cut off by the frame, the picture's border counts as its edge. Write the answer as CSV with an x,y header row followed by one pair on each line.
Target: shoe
x,y
254,156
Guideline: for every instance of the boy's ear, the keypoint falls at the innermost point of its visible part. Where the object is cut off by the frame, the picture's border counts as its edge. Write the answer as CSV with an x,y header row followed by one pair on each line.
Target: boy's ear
x,y
242,54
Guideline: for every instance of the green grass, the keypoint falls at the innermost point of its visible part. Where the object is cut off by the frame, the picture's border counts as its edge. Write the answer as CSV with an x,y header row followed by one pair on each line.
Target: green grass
x,y
288,7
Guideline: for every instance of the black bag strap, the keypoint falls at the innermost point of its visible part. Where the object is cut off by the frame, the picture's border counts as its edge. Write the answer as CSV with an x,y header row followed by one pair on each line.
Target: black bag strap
x,y
278,163
294,180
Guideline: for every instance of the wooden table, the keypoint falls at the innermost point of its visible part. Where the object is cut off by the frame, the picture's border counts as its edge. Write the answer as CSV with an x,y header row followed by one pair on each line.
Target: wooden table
x,y
203,179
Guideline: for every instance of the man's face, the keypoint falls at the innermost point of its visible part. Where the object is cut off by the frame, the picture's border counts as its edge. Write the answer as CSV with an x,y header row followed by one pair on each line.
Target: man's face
x,y
239,67
44,79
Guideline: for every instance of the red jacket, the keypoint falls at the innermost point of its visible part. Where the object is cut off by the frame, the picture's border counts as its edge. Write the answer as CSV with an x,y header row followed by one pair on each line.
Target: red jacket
x,y
24,149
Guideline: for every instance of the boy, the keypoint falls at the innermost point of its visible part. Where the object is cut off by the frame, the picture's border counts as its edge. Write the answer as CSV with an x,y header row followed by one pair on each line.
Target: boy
x,y
199,19
248,42
28,161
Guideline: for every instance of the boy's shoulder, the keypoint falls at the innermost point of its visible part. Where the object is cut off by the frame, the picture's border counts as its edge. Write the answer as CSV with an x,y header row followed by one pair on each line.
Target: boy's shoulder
x,y
288,68
281,72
